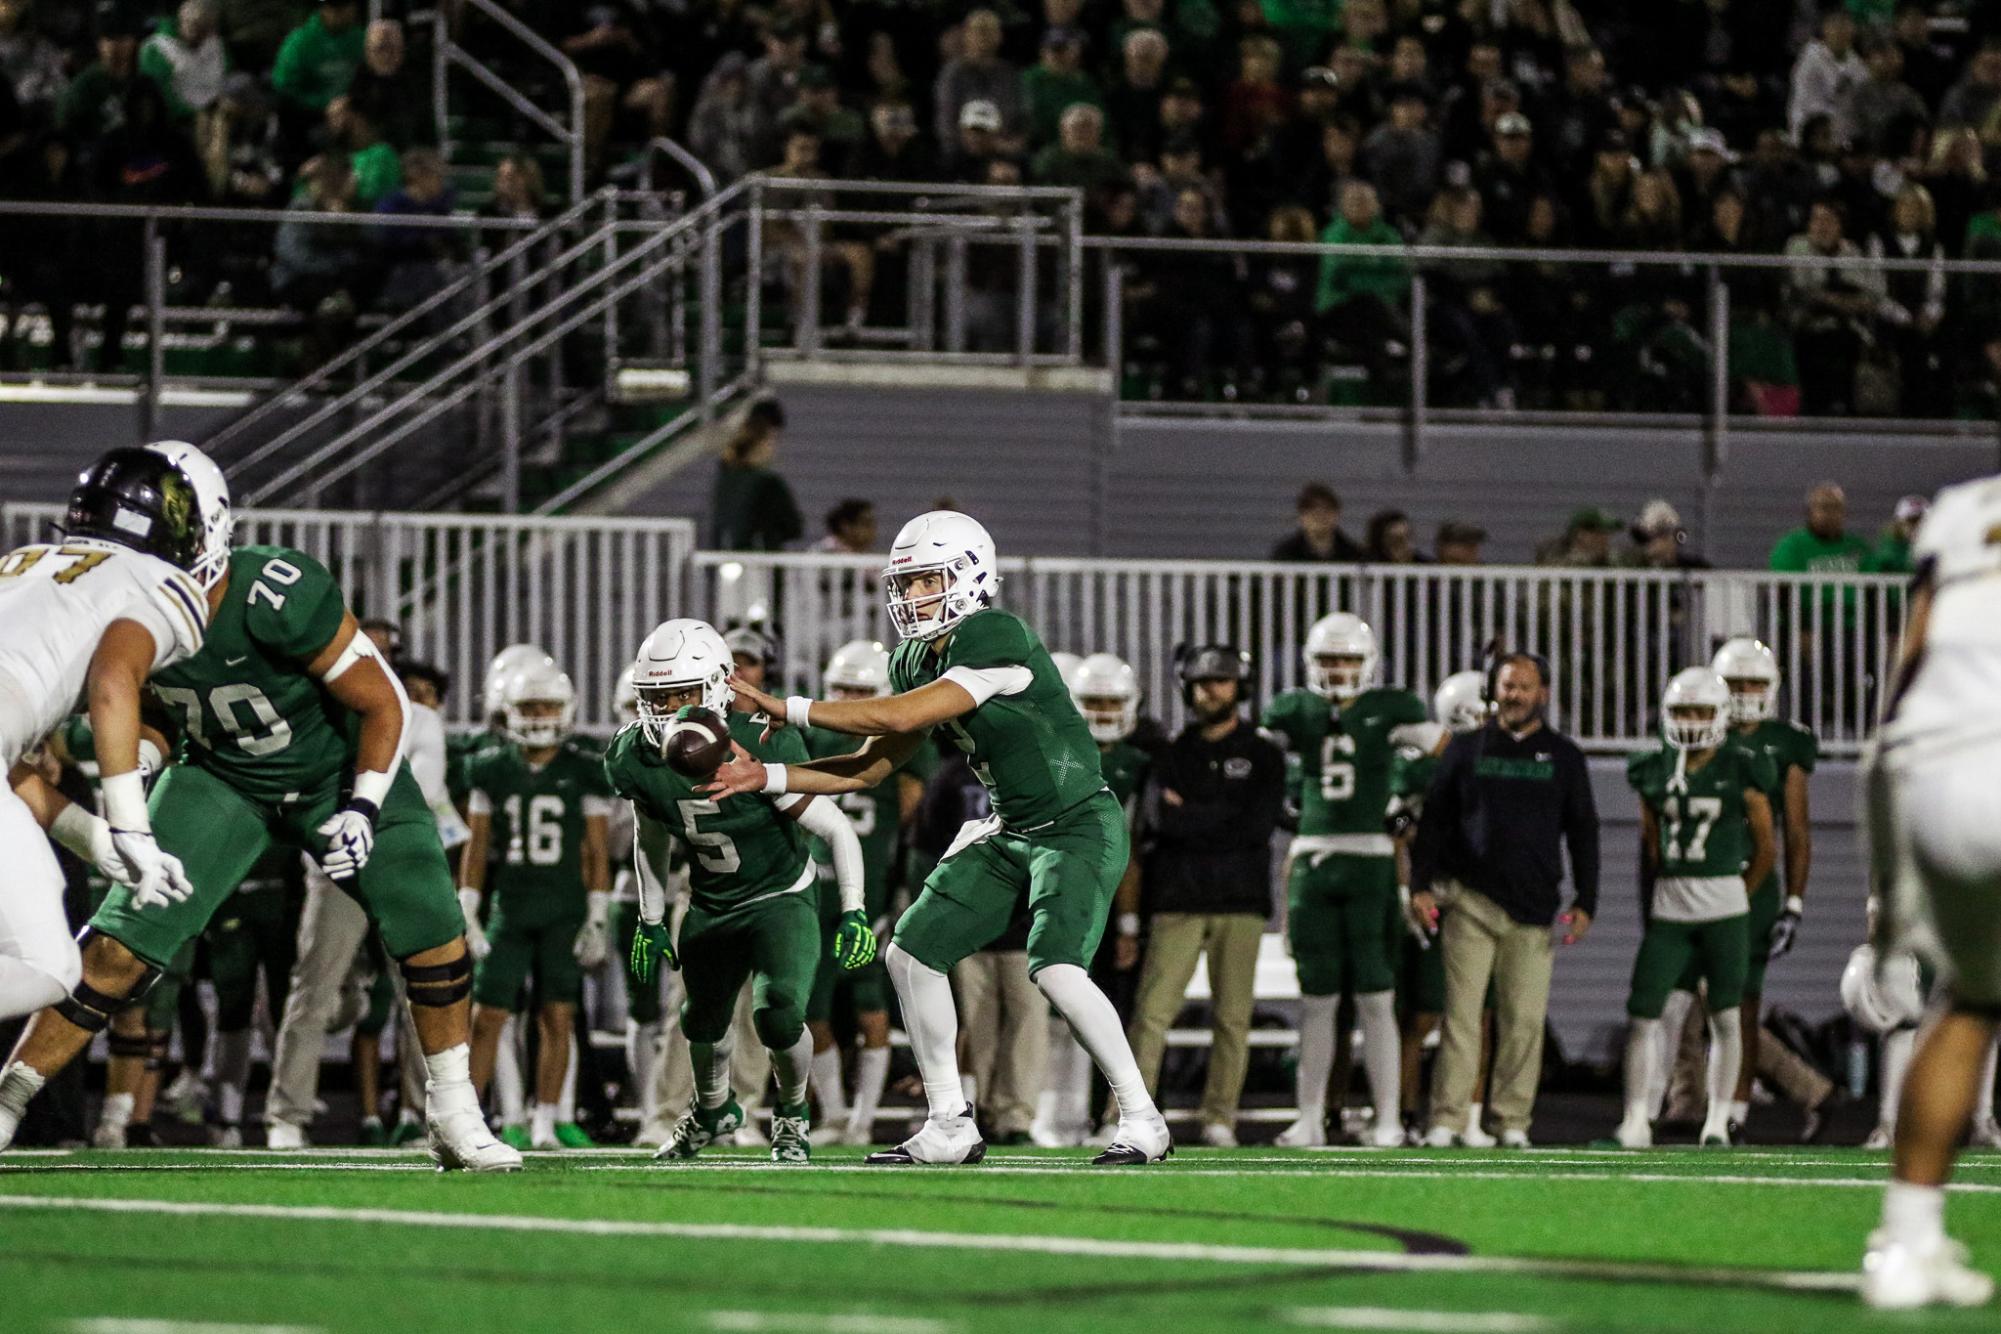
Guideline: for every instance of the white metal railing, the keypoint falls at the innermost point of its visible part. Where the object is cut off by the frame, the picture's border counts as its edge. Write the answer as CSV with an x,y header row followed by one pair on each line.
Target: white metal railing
x,y
449,55
464,586
1614,637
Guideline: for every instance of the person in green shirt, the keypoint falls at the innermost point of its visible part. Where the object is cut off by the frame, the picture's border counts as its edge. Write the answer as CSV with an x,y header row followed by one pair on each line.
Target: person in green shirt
x,y
185,57
752,507
1892,553
1361,299
93,104
319,57
1055,84
377,168
1078,157
1822,545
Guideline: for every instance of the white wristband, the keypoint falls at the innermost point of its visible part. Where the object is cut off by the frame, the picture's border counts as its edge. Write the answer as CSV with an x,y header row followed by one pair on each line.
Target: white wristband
x,y
125,802
1795,905
1128,923
372,786
774,780
76,829
797,709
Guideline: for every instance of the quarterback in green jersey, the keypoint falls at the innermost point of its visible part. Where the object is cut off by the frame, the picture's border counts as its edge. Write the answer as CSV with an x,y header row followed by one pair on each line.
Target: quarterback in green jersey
x,y
753,911
293,733
540,805
1057,838
859,670
1705,840
1342,914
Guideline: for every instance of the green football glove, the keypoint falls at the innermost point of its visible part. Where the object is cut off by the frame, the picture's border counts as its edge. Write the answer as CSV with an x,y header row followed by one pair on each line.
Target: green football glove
x,y
854,942
649,942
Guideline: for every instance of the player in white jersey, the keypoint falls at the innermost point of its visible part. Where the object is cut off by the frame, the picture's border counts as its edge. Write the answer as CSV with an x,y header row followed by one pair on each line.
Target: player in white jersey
x,y
88,620
1934,809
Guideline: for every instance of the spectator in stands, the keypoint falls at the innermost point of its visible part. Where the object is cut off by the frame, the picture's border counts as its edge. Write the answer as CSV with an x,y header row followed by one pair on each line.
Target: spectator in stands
x,y
1402,157
315,265
1180,168
396,96
31,64
849,262
1826,75
1832,304
414,259
1506,802
1183,111
1132,101
1388,540
1196,306
818,109
94,103
751,507
1914,300
1779,186
1255,102
185,58
1956,176
851,528
1281,302
1509,178
1054,84
319,59
1586,542
1607,196
895,151
242,155
1318,537
1361,298
1887,112
610,44
979,74
1582,112
255,30
518,191
1823,545
1969,101
772,85
1928,66
1213,801
1078,158
978,141
1473,325
722,128
377,168
1659,540
1892,553
1339,143
1458,543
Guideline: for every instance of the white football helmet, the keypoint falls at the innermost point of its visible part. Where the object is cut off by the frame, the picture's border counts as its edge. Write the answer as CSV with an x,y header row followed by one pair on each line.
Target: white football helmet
x,y
212,495
624,699
1694,690
1106,691
1460,702
859,664
1886,1001
1066,665
539,683
1341,635
677,655
947,541
493,689
1746,659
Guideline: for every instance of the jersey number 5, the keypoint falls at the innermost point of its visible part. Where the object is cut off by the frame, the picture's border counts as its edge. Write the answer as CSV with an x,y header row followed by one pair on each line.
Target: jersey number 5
x,y
713,850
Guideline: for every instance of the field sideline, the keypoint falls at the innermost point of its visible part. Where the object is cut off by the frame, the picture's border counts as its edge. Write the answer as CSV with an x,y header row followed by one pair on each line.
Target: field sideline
x,y
179,1241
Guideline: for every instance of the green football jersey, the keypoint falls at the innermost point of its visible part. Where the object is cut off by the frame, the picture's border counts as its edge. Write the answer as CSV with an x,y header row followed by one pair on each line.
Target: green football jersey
x,y
1410,775
741,849
1788,746
538,816
875,812
1704,831
460,747
1125,767
1032,750
1345,755
252,717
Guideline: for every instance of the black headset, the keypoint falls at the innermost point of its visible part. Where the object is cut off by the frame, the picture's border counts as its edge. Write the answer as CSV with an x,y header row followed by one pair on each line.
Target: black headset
x,y
1210,662
1498,657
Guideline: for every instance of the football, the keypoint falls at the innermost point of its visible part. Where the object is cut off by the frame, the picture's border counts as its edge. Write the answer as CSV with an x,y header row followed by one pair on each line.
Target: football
x,y
697,743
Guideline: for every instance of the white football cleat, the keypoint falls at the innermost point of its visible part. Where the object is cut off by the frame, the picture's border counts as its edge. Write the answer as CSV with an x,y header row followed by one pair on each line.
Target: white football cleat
x,y
1439,1137
1385,1134
952,1141
461,1141
284,1136
1899,1276
1141,1139
1634,1135
1879,1138
227,1136
108,1135
655,1132
1308,1132
1514,1139
1475,1135
1985,1133
1219,1135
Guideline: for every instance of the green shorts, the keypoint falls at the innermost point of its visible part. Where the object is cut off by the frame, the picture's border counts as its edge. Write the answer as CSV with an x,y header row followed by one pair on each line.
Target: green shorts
x,y
774,943
866,990
642,999
1342,919
1421,981
163,1001
1717,952
219,834
545,951
253,930
1062,876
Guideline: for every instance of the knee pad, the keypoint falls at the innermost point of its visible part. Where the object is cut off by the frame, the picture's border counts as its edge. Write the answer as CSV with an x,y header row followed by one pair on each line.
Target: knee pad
x,y
88,1008
1989,1011
779,1024
439,984
132,1046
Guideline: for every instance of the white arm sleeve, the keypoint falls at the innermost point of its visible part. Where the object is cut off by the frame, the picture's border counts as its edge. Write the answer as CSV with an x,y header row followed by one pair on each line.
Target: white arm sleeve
x,y
651,846
825,820
426,743
983,683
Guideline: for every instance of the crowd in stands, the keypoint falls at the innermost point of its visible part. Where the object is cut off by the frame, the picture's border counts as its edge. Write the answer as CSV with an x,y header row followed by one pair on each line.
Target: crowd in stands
x,y
1748,127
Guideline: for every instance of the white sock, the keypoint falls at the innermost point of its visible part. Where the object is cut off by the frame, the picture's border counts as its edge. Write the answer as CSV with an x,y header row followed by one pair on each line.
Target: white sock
x,y
18,1085
1898,1048
1726,1059
794,1069
116,1111
232,1074
1382,1054
871,1073
510,1093
969,1088
25,988
1096,1024
1316,1054
827,1085
932,1021
711,1061
1476,1116
642,1053
1914,1214
1673,1016
1983,1095
566,1101
1642,1053
543,1127
448,1082
1065,1103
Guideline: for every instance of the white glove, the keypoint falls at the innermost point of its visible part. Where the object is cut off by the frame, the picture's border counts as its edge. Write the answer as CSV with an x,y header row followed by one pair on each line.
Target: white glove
x,y
350,836
594,939
477,944
136,862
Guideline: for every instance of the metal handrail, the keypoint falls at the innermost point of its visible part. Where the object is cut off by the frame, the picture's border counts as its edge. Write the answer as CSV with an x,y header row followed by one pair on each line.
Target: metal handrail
x,y
693,165
202,213
358,350
646,444
449,52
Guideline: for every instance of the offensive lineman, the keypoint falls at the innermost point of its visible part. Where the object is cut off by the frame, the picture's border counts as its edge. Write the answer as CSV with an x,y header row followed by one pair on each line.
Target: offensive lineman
x,y
1342,913
294,732
1057,835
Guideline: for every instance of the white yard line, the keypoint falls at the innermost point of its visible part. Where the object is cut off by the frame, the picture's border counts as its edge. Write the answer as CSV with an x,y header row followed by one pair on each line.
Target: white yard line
x,y
1423,1322
769,1322
1081,1247
120,1325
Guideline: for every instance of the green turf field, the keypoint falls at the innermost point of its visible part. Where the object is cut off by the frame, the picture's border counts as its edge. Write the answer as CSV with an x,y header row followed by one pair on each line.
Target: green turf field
x,y
1486,1243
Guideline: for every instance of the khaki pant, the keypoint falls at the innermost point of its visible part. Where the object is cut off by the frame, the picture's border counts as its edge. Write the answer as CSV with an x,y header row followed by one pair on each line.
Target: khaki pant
x,y
1174,944
1481,942
1004,1035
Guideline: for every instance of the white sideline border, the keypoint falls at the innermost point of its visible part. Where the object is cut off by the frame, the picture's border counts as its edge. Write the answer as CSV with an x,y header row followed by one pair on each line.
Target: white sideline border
x,y
1003,1243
